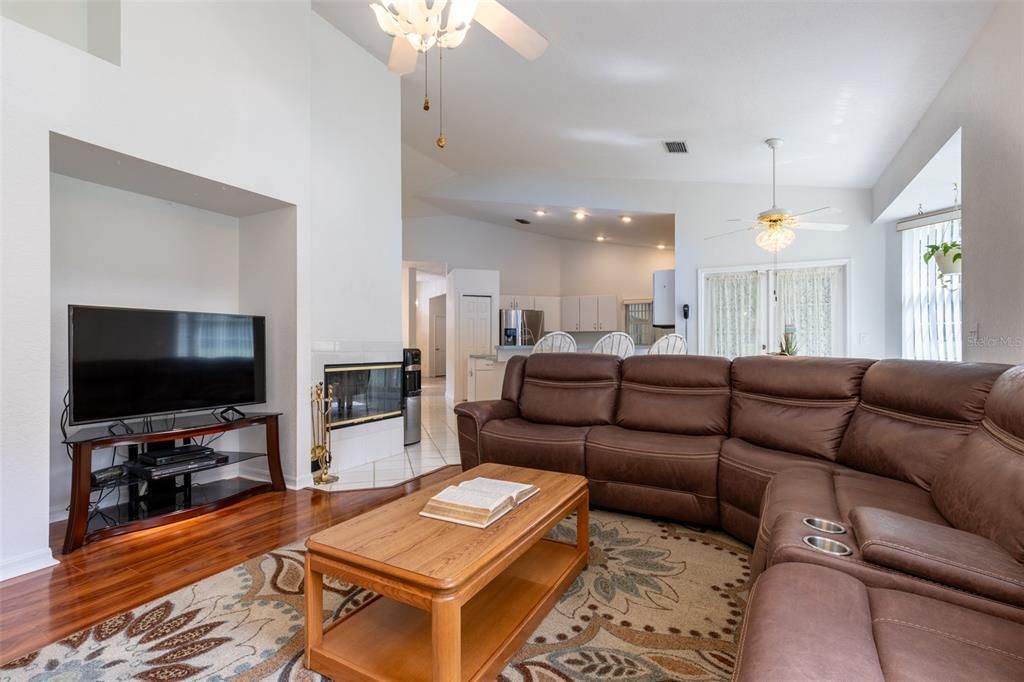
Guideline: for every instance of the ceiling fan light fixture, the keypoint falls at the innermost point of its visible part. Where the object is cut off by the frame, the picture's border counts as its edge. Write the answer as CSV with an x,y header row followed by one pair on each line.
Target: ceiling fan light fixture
x,y
775,239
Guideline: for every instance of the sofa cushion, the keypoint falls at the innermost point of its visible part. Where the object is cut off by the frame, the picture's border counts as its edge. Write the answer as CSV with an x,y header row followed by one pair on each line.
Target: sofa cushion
x,y
915,414
659,460
571,389
806,622
537,446
832,494
744,471
796,404
858,632
981,488
686,394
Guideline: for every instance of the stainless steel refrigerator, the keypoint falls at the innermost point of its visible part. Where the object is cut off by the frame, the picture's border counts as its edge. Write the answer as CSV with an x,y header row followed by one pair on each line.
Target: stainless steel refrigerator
x,y
517,327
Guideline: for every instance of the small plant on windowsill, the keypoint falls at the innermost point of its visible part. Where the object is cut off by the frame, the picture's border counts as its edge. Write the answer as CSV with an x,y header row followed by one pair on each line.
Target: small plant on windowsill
x,y
787,344
948,260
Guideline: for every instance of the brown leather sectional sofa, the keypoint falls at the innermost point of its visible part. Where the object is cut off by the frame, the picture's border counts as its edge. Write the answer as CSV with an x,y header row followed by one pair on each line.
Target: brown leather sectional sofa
x,y
920,465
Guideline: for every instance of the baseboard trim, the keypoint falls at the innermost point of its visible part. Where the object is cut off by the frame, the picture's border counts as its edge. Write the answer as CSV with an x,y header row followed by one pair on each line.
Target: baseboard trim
x,y
12,567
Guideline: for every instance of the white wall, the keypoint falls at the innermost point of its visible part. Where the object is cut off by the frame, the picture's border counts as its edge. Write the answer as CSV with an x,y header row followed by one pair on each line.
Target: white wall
x,y
529,263
357,225
702,210
533,264
219,90
426,289
116,248
465,282
984,97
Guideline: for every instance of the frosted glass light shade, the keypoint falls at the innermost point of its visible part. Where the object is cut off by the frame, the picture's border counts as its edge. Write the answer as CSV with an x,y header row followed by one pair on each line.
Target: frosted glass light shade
x,y
775,239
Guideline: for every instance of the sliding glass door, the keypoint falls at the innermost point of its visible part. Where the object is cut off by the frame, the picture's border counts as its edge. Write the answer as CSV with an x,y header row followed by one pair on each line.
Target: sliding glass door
x,y
748,311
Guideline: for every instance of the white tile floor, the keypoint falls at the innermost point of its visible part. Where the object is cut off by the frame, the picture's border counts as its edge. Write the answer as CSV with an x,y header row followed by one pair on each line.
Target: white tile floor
x,y
438,448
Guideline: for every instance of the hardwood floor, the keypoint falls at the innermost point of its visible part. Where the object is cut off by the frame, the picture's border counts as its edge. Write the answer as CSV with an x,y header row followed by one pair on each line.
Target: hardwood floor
x,y
113,575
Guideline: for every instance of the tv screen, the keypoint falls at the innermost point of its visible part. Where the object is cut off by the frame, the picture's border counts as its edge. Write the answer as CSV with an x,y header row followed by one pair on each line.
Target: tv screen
x,y
127,363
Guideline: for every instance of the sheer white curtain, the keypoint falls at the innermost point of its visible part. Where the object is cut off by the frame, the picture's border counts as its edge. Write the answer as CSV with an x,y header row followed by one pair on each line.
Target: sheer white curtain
x,y
931,312
811,301
732,300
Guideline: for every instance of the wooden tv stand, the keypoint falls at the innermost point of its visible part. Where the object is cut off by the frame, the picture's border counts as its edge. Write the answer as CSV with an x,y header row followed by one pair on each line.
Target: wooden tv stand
x,y
143,510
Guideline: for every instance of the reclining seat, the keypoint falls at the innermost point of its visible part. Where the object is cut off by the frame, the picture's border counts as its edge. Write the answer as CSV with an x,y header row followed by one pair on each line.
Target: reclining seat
x,y
962,542
661,456
785,411
912,416
559,397
806,622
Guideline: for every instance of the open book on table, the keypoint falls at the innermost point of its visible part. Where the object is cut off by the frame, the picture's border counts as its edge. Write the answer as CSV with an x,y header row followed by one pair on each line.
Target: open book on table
x,y
478,502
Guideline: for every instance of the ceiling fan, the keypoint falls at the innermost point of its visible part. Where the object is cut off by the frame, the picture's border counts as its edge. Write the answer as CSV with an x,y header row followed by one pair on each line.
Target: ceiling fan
x,y
419,25
773,225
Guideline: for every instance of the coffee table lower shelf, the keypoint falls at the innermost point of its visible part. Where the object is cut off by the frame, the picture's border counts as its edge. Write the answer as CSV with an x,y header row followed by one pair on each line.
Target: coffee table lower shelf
x,y
390,640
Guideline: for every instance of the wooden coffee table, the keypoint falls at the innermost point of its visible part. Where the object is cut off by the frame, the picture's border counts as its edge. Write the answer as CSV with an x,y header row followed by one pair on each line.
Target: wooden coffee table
x,y
455,602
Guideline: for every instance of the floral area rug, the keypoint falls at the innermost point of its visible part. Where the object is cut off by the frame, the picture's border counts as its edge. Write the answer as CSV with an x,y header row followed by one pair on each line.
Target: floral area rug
x,y
658,602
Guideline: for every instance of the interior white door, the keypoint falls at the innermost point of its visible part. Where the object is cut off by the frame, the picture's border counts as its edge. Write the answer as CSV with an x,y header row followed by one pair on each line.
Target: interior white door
x,y
588,314
607,313
440,345
474,330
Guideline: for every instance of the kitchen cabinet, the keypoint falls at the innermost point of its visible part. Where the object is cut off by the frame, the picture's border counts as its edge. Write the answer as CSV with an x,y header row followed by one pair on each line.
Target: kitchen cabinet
x,y
484,379
551,306
588,313
608,313
570,314
510,301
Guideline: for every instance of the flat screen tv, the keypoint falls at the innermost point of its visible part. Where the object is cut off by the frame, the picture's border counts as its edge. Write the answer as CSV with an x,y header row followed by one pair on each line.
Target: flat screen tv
x,y
126,363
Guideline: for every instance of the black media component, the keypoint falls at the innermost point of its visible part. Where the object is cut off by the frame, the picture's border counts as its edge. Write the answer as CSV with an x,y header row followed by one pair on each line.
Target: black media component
x,y
126,363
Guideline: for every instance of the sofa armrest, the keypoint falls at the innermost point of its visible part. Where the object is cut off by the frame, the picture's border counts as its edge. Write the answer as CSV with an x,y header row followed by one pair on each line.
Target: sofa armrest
x,y
942,554
471,419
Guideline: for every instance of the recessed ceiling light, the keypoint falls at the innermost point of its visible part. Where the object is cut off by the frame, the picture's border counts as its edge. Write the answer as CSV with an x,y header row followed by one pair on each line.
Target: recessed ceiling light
x,y
580,215
600,237
661,247
626,219
540,212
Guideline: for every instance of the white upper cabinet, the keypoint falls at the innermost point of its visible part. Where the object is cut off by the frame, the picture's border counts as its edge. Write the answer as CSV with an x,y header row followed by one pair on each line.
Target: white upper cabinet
x,y
551,306
570,314
608,313
588,313
508,301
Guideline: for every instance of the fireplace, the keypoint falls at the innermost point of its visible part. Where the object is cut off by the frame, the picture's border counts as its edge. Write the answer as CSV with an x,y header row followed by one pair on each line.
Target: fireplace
x,y
365,392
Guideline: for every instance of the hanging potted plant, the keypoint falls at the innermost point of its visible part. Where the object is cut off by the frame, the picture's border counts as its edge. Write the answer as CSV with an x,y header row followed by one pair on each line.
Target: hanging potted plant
x,y
948,258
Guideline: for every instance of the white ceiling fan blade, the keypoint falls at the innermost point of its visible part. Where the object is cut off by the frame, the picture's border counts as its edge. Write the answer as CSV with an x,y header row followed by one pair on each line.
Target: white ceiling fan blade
x,y
815,210
510,29
403,56
726,234
822,227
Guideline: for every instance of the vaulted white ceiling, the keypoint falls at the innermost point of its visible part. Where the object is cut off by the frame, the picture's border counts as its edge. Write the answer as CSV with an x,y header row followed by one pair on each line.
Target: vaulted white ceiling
x,y
843,82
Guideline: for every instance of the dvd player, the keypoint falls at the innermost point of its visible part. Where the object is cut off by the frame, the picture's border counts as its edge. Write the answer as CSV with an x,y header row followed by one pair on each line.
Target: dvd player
x,y
178,468
182,454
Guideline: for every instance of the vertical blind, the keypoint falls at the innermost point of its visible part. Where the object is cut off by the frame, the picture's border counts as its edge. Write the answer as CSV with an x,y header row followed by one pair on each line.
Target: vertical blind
x,y
931,312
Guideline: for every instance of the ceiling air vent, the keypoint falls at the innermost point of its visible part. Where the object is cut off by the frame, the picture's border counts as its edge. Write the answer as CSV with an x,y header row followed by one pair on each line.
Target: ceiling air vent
x,y
676,147
522,221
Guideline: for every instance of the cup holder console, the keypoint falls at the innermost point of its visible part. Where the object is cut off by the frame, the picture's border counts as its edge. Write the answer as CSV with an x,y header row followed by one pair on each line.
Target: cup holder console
x,y
827,545
824,525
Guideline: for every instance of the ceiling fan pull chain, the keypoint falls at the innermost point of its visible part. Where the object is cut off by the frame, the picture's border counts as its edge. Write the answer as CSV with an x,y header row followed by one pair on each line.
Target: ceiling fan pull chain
x,y
426,81
441,141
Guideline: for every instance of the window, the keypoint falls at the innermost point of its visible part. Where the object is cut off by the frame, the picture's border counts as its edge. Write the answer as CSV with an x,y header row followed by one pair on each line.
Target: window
x,y
746,312
931,308
733,303
640,323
